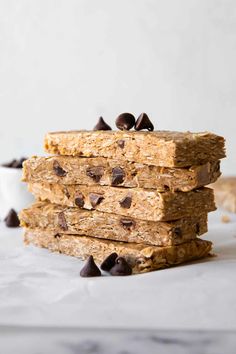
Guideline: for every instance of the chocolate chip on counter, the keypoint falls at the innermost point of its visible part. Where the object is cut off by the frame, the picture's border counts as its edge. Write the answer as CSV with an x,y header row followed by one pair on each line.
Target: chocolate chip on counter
x,y
126,202
79,200
12,220
127,224
95,199
62,221
125,121
95,173
109,262
101,125
58,169
90,269
121,143
117,176
143,122
121,267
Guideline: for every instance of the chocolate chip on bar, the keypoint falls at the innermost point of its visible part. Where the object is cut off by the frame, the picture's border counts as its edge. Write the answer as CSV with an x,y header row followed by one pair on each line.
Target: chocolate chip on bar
x,y
101,125
127,224
58,169
118,176
12,220
90,269
95,173
121,268
125,121
126,202
121,143
109,262
143,122
62,221
79,200
95,199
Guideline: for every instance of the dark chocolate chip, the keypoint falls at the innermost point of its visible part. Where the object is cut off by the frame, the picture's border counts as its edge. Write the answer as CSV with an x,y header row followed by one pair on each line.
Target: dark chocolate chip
x,y
15,163
67,194
125,121
57,236
109,262
101,125
62,221
197,228
178,232
79,200
121,267
58,169
127,224
12,220
143,122
95,199
117,176
95,173
126,202
19,163
121,143
90,269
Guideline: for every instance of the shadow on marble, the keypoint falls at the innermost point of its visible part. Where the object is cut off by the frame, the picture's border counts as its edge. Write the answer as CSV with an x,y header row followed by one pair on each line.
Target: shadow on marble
x,y
30,340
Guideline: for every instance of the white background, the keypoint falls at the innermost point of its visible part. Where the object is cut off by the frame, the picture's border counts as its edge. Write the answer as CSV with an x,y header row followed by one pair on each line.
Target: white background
x,y
64,63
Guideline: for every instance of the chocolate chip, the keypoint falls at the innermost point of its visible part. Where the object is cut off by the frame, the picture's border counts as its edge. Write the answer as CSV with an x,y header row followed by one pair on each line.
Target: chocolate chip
x,y
95,173
58,169
197,228
126,202
62,221
12,220
109,262
143,122
15,163
127,224
177,232
121,267
67,194
79,200
95,199
117,176
101,125
90,269
57,236
121,143
125,121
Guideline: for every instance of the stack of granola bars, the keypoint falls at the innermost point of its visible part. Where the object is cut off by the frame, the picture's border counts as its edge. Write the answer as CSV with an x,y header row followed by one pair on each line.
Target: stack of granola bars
x,y
139,194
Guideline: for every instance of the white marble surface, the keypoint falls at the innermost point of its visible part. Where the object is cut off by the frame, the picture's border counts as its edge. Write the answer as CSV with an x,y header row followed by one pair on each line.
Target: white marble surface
x,y
38,340
38,288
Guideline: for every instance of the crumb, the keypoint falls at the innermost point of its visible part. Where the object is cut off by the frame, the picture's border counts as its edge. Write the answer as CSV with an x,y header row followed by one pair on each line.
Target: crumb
x,y
225,219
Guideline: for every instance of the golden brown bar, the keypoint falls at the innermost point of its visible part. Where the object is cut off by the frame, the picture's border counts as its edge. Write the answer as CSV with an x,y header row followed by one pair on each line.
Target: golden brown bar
x,y
109,172
159,148
56,219
142,258
144,204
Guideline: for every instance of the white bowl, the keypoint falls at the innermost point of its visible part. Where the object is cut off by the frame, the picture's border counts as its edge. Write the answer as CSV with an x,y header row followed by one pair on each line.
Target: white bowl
x,y
13,192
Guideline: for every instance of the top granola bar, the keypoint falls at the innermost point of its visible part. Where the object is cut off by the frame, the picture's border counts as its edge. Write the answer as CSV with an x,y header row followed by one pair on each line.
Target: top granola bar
x,y
159,148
